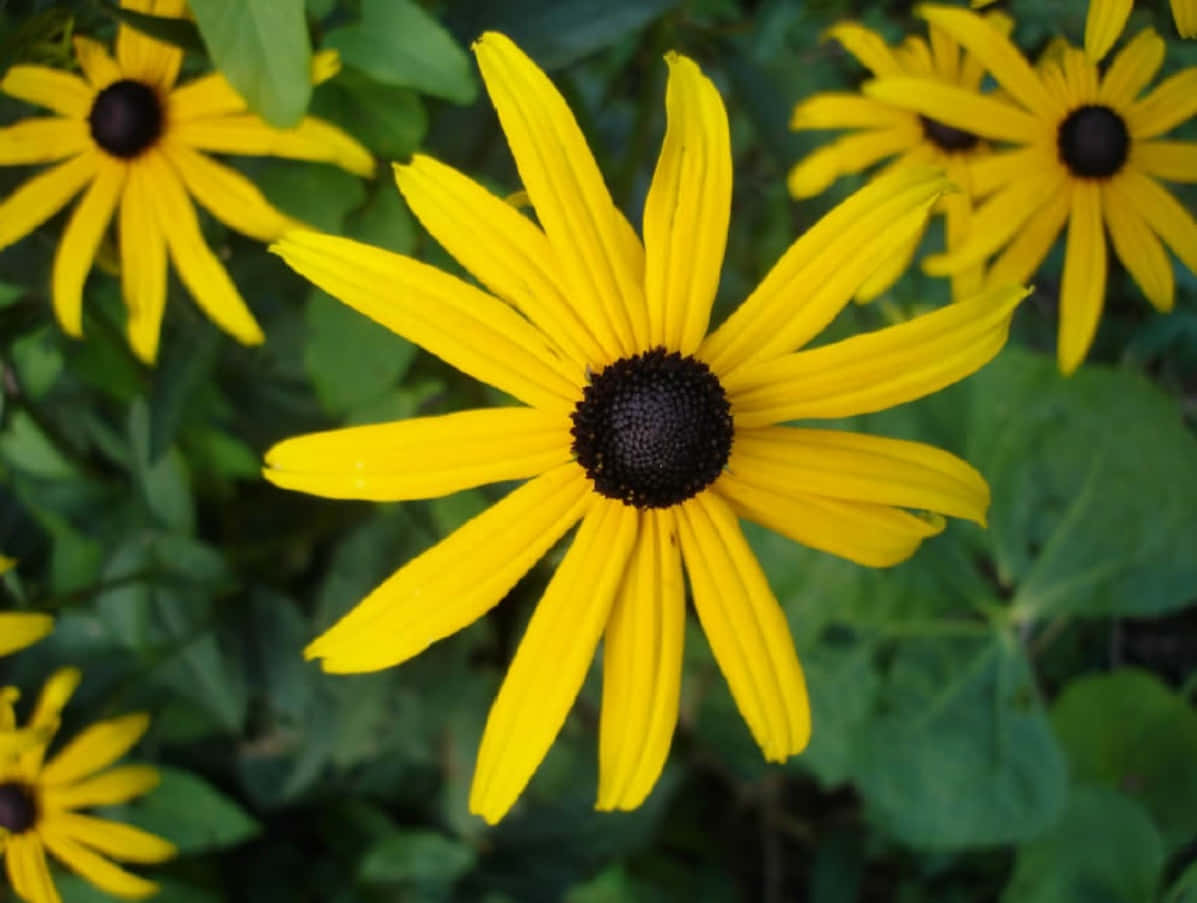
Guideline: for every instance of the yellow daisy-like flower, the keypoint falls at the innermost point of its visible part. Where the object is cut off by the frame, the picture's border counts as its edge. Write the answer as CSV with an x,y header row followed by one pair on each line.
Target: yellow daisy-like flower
x,y
134,140
654,435
19,629
1090,153
39,802
883,131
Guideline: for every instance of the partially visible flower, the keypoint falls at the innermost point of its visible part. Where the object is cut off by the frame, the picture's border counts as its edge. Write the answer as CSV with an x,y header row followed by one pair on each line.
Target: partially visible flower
x,y
133,139
882,131
1107,18
39,802
19,629
1089,153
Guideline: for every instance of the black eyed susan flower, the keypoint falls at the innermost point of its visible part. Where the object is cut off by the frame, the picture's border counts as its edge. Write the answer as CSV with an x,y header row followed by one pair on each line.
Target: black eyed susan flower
x,y
654,435
39,803
882,131
1089,153
135,142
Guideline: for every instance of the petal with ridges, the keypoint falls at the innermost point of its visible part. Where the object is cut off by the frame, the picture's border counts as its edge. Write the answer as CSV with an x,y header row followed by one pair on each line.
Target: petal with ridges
x,y
95,748
1170,103
1137,247
687,210
1168,218
111,788
1132,69
642,666
40,197
122,842
980,114
459,579
1172,161
312,139
27,869
877,370
143,264
849,154
425,457
98,66
105,875
143,57
745,627
469,329
1103,25
1022,256
889,272
42,140
595,246
832,110
81,239
1083,286
552,659
62,92
18,630
507,253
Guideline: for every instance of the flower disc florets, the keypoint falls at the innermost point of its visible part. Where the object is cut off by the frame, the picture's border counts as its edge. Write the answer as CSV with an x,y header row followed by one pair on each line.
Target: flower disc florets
x,y
1094,142
947,138
653,429
18,810
126,118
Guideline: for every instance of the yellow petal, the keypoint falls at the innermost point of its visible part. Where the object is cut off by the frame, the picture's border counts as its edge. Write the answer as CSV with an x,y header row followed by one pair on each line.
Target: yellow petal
x,y
122,842
553,658
18,630
859,468
1172,161
108,877
989,172
1137,246
55,694
111,788
425,457
143,264
42,140
81,239
960,108
313,139
27,869
53,89
945,53
868,534
642,666
39,198
1168,218
877,370
867,46
819,273
745,626
914,56
1103,25
1132,69
202,98
1170,103
463,326
226,194
958,225
687,210
890,271
145,58
507,253
95,748
1022,256
200,270
1184,12
595,247
850,154
100,69
458,580
832,110
1083,287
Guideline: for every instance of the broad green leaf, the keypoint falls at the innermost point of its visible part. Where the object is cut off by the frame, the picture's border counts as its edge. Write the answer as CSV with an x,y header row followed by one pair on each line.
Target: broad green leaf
x,y
417,857
384,221
1129,731
398,43
843,684
1104,849
165,484
389,120
24,446
192,814
262,48
319,196
187,365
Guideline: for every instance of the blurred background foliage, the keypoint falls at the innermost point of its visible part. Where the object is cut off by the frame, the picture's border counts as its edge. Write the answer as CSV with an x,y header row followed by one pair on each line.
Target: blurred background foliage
x,y
1006,716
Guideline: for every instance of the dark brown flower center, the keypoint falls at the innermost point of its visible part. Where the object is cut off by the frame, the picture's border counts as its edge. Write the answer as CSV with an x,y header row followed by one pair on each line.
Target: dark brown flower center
x,y
653,429
1094,142
18,810
126,118
947,138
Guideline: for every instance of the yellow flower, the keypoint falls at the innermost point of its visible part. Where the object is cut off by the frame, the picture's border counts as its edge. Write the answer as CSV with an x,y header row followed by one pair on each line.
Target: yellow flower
x,y
134,139
1089,153
38,803
884,130
654,435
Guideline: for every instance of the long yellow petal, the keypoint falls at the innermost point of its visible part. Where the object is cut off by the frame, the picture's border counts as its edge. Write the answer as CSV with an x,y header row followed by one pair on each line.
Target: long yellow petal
x,y
212,95
745,626
507,253
95,748
226,194
1133,68
890,271
1137,247
1083,286
1168,218
27,869
111,788
458,580
42,140
424,457
1019,260
19,629
850,154
98,66
1103,25
859,468
468,328
687,210
1170,103
1184,12
990,172
42,196
107,876
877,370
980,114
145,58
56,692
867,46
594,244
642,666
122,842
62,92
819,273
552,659
1172,161
312,139
81,239
832,110
201,270
143,264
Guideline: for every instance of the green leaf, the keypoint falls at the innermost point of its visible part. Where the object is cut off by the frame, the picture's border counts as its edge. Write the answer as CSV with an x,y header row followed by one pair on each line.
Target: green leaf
x,y
389,120
1184,890
1104,849
176,381
192,814
1128,731
961,753
25,447
417,857
262,48
320,196
165,483
398,43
